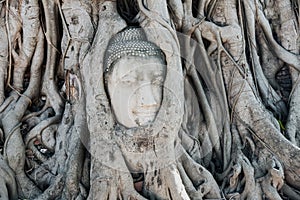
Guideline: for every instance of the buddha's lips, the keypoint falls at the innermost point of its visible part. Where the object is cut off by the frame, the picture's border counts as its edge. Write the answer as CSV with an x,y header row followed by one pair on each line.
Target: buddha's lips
x,y
145,113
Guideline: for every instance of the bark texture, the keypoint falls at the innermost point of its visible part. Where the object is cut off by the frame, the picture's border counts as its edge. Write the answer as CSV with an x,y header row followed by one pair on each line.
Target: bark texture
x,y
229,123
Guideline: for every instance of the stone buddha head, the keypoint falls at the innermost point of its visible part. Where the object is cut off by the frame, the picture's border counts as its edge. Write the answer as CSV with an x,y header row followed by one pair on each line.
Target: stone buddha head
x,y
134,71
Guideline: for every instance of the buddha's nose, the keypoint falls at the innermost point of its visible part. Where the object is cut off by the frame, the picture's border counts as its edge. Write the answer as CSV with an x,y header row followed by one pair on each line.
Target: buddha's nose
x,y
146,96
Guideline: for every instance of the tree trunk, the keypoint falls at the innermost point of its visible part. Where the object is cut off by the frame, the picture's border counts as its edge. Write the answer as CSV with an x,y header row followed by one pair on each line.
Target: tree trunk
x,y
228,123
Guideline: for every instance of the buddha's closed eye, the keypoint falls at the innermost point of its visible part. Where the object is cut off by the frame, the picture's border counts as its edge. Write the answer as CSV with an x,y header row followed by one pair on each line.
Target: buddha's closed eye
x,y
128,79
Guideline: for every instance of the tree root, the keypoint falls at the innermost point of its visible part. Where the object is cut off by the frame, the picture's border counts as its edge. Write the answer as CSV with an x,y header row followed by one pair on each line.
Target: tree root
x,y
270,97
3,59
31,26
112,184
222,84
289,58
8,186
200,178
54,190
37,130
292,125
49,86
290,192
74,165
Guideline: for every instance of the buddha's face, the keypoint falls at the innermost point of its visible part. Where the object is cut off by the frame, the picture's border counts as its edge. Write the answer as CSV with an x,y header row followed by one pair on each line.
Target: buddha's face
x,y
135,87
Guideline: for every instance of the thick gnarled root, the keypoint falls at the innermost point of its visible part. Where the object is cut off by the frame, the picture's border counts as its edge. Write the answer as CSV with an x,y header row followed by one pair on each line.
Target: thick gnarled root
x,y
112,185
8,186
184,179
198,181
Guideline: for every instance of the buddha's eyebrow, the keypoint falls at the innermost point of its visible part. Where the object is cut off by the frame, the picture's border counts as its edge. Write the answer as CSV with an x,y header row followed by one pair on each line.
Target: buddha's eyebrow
x,y
131,74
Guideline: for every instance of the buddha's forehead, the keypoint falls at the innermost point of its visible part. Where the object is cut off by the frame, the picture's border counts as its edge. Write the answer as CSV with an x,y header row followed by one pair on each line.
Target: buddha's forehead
x,y
135,65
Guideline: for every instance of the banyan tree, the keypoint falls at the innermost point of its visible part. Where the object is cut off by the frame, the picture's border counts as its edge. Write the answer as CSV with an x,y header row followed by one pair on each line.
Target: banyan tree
x,y
144,99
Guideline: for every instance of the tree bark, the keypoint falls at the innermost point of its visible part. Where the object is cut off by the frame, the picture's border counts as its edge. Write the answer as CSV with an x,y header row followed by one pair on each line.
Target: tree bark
x,y
228,125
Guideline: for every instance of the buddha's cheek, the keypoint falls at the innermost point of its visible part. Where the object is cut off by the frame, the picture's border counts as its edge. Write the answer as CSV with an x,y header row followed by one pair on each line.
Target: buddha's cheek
x,y
120,101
